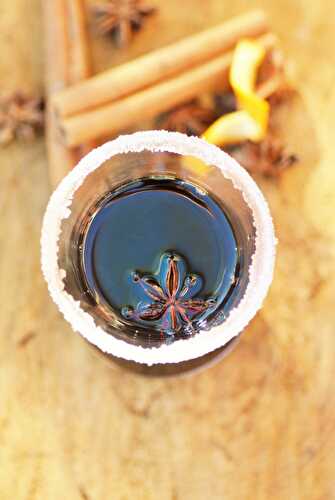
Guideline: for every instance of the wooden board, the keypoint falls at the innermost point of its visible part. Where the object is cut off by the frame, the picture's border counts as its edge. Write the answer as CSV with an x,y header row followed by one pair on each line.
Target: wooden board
x,y
259,425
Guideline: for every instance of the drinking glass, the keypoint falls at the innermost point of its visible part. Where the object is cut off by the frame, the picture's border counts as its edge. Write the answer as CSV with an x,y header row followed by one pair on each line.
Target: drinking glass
x,y
156,155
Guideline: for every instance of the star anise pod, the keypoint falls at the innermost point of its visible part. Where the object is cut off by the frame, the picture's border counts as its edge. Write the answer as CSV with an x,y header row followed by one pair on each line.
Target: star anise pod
x,y
21,116
224,103
170,297
268,157
190,118
121,18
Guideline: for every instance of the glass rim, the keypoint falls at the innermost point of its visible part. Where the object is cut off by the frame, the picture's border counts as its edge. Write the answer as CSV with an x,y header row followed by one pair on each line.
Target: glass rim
x,y
260,270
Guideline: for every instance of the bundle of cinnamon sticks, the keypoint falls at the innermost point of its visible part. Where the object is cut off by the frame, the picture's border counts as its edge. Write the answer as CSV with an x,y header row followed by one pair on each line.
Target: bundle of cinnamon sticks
x,y
84,108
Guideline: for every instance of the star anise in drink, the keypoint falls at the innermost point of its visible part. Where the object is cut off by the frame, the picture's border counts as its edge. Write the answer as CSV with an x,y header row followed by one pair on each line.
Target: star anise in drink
x,y
190,118
169,297
121,18
21,116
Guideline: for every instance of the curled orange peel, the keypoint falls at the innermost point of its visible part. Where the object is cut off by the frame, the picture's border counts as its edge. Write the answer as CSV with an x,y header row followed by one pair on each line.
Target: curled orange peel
x,y
251,119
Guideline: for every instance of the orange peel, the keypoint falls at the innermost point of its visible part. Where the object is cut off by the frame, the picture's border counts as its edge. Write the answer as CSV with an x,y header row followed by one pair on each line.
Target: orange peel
x,y
250,121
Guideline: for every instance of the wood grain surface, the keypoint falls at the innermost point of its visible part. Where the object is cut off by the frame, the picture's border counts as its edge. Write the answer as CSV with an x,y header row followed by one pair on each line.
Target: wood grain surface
x,y
259,425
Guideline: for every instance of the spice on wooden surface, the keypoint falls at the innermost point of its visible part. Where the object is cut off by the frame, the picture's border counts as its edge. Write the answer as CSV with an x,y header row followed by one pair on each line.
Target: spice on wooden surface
x,y
21,117
113,117
224,103
190,118
67,46
120,18
159,65
57,50
80,56
268,158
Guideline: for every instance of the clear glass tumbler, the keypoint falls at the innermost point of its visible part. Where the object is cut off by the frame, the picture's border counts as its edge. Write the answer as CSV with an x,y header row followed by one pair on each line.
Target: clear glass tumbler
x,y
156,154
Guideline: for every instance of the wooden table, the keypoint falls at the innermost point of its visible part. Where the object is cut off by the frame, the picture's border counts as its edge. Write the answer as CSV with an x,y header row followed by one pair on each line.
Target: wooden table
x,y
259,425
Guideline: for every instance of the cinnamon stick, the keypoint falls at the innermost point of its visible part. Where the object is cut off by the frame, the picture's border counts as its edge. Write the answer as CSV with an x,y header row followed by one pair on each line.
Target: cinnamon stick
x,y
67,61
111,118
81,60
159,65
57,76
81,65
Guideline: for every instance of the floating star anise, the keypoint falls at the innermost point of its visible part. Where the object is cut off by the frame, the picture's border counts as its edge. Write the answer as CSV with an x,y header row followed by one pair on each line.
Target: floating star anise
x,y
190,118
171,293
121,18
21,116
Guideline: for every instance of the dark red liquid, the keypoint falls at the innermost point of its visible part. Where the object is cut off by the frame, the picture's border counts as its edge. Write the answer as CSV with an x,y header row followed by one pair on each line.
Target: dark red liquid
x,y
139,225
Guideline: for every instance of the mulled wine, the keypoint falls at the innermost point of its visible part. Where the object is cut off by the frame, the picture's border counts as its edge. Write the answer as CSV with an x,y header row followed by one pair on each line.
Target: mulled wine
x,y
158,249
161,254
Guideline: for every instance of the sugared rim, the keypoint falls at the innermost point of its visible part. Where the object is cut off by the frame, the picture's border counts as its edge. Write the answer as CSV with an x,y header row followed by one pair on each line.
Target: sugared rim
x,y
260,270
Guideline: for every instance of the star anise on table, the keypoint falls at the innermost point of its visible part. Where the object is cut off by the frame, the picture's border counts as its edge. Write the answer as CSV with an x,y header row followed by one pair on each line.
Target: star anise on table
x,y
21,116
121,18
224,103
268,158
171,293
190,118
